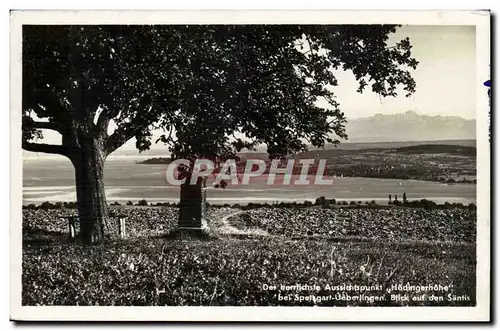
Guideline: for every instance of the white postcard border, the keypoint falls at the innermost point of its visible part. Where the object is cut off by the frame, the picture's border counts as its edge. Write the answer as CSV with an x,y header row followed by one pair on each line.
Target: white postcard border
x,y
481,19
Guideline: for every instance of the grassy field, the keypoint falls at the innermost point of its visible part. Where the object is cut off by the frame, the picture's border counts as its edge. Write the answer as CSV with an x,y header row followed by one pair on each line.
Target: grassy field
x,y
238,265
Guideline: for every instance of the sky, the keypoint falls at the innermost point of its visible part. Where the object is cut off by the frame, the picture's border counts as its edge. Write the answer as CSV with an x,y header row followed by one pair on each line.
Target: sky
x,y
445,78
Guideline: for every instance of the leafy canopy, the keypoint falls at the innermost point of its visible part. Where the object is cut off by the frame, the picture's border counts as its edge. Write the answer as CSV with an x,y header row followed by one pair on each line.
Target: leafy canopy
x,y
213,89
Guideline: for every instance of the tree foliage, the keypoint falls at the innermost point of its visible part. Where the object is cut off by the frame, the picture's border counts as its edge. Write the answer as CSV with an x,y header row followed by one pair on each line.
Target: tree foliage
x,y
213,89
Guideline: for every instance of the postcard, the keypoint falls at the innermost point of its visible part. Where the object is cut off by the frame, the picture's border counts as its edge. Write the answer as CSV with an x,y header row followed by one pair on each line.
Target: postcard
x,y
250,166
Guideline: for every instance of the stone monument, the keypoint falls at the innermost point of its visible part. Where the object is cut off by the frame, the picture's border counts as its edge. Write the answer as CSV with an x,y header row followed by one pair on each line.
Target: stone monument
x,y
192,213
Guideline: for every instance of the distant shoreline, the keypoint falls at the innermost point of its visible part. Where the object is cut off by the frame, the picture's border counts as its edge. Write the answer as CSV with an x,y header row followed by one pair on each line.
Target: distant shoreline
x,y
347,188
354,145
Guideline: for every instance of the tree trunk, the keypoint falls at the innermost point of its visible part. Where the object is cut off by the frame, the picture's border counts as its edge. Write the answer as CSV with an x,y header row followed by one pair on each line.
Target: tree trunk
x,y
91,198
192,206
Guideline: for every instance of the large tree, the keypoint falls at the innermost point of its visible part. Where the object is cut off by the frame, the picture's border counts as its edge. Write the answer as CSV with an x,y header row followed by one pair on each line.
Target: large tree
x,y
213,90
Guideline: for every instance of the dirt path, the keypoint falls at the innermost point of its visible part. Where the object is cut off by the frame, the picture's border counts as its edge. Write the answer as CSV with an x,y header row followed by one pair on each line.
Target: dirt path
x,y
226,228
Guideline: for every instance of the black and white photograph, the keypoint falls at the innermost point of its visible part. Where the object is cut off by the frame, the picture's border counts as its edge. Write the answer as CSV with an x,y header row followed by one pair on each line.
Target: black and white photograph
x,y
193,162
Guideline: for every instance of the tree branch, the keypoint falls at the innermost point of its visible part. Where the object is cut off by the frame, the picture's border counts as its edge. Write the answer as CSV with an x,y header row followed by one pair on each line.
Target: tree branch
x,y
45,148
167,139
310,46
127,131
103,123
118,138
42,125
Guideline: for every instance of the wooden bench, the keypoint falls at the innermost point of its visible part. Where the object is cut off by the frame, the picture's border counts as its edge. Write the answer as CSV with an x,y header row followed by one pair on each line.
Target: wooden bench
x,y
72,222
74,225
122,230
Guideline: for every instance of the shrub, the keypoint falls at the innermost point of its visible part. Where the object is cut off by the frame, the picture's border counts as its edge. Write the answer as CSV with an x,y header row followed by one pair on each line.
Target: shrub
x,y
130,203
69,204
142,202
46,205
320,201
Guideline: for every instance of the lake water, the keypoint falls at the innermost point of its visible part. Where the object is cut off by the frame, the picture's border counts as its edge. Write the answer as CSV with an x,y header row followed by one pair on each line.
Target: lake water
x,y
125,180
